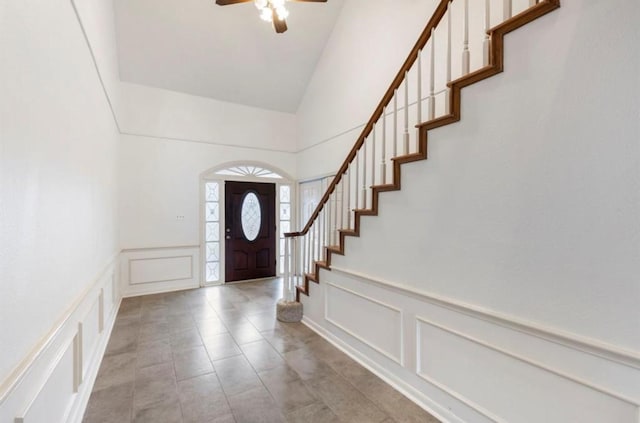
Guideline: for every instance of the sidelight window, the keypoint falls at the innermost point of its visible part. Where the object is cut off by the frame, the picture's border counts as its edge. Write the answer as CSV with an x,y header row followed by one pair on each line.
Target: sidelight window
x,y
212,231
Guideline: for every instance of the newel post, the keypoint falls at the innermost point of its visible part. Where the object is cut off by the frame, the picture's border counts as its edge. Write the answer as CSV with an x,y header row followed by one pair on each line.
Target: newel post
x,y
287,309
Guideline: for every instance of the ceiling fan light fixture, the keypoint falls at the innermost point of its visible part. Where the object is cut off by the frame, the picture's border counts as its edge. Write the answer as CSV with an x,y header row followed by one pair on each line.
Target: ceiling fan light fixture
x,y
273,11
266,15
282,13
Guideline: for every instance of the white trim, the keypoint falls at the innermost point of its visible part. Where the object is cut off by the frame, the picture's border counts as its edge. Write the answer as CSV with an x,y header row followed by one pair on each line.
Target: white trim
x,y
478,408
178,247
22,369
210,142
399,360
577,342
51,367
211,172
445,416
67,339
361,126
526,360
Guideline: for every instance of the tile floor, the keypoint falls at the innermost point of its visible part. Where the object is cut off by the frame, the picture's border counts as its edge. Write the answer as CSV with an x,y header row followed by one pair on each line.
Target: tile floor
x,y
219,355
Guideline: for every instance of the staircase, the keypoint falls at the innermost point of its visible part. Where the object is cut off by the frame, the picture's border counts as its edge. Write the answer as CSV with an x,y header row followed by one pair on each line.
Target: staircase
x,y
374,164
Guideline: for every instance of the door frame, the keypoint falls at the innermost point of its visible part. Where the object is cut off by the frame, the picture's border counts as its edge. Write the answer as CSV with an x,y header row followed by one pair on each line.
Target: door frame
x,y
211,175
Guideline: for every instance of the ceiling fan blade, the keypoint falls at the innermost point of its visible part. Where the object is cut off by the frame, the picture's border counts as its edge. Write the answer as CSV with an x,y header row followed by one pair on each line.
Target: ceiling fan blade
x,y
280,25
228,2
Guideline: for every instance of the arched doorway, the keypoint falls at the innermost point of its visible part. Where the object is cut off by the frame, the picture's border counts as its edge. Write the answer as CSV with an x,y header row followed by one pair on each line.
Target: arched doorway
x,y
215,206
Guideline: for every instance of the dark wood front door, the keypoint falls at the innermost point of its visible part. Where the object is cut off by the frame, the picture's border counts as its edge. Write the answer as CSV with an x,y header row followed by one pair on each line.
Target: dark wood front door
x,y
250,230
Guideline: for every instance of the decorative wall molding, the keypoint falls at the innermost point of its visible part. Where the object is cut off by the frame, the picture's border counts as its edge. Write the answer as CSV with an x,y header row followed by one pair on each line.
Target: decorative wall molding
x,y
15,378
54,381
371,344
584,344
438,331
133,250
526,360
159,269
141,262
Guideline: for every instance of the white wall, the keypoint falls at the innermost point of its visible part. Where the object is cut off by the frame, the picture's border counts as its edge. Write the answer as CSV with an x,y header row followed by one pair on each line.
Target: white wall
x,y
167,114
160,179
58,183
527,210
358,63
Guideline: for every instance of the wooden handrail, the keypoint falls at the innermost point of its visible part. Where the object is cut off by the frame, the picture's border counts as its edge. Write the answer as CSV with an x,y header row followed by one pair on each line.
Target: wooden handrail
x,y
437,16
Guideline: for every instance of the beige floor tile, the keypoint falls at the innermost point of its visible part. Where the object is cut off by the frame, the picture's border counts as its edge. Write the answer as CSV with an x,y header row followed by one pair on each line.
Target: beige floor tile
x,y
255,406
315,413
110,405
116,370
192,362
165,412
153,385
218,355
345,400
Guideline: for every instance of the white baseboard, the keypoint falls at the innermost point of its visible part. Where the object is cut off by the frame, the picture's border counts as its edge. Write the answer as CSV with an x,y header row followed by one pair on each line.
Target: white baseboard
x,y
417,397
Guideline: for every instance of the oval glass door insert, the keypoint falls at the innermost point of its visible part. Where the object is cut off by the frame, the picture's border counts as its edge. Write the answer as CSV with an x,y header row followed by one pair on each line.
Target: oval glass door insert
x,y
251,216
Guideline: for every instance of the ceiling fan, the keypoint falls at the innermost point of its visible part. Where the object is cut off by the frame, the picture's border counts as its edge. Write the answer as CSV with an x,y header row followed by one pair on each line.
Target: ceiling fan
x,y
273,11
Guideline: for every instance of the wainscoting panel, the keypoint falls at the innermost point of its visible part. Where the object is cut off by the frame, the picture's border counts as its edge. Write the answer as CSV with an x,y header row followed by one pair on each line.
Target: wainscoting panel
x,y
510,386
90,333
154,270
376,324
468,364
54,382
54,399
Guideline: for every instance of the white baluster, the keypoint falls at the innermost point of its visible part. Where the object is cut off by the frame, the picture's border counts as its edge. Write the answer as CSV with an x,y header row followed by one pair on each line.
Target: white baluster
x,y
432,76
348,196
383,162
309,241
395,123
357,186
294,266
340,210
316,244
364,174
466,57
419,86
286,282
507,9
486,44
322,227
334,227
419,104
406,113
305,253
331,206
373,155
447,96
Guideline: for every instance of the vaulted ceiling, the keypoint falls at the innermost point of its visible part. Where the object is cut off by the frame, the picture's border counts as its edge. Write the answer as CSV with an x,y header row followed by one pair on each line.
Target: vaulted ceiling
x,y
226,53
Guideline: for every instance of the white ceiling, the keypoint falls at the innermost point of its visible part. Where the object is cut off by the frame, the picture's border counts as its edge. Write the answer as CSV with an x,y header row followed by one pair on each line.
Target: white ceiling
x,y
226,53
